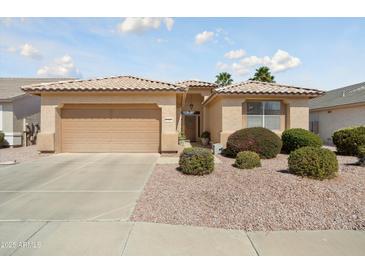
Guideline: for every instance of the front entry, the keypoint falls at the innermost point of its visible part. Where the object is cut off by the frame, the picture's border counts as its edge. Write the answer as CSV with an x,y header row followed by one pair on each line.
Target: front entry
x,y
190,127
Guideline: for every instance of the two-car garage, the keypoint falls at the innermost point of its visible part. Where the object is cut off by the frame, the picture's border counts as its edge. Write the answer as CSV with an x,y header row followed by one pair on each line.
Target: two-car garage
x,y
110,128
112,114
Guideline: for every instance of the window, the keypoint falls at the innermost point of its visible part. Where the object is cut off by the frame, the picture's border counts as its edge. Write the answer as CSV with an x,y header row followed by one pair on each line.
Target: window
x,y
264,114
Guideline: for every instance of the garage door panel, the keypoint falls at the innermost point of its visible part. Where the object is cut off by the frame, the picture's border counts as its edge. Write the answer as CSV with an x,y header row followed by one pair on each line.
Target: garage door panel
x,y
110,130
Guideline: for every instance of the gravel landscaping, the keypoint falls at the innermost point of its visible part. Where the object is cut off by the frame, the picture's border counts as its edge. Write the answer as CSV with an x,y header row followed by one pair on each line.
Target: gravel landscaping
x,y
264,198
20,154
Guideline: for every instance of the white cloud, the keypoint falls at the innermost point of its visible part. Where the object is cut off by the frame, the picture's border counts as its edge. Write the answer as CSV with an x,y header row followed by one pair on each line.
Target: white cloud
x,y
62,67
235,54
169,22
142,24
204,37
280,61
28,50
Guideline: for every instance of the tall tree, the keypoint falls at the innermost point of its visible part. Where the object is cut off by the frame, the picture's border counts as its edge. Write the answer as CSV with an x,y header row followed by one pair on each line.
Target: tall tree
x,y
224,79
263,74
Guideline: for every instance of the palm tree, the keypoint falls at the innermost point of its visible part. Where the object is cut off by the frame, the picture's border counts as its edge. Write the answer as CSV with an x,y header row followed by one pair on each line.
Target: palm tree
x,y
263,74
224,79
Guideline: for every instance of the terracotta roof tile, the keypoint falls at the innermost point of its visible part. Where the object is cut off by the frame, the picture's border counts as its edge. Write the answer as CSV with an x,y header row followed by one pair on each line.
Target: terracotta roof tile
x,y
115,83
256,87
196,83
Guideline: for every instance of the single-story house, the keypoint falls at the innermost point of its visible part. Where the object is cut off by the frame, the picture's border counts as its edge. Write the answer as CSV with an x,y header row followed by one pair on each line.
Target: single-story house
x,y
18,108
131,114
338,108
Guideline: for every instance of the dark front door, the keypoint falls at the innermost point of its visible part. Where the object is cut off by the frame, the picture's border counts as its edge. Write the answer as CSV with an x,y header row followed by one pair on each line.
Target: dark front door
x,y
190,128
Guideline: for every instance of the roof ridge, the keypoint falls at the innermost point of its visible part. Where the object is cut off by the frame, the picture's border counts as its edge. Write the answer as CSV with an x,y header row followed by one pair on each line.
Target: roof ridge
x,y
233,85
149,80
280,85
50,84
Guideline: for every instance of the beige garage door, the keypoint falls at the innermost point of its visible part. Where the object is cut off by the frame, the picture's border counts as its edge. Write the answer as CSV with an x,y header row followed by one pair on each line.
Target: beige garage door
x,y
110,128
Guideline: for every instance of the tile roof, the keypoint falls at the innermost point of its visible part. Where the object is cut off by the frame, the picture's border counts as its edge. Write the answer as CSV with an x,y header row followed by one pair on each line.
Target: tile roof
x,y
257,87
115,83
342,96
10,87
197,83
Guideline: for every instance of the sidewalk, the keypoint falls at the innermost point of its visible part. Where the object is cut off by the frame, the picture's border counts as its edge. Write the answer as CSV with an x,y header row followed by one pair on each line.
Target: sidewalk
x,y
126,238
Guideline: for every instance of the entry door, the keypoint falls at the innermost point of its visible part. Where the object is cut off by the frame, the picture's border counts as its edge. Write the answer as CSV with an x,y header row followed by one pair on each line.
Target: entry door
x,y
190,127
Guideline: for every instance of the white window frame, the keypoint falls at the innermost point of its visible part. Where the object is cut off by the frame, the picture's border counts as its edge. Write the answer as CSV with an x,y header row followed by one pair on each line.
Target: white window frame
x,y
263,113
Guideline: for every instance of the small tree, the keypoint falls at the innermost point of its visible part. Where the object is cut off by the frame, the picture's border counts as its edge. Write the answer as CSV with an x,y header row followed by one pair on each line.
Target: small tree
x,y
263,74
224,79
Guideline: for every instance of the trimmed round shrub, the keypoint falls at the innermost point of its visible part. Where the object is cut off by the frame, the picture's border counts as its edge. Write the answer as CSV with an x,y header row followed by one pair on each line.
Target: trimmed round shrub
x,y
348,140
2,137
247,160
295,138
257,139
196,161
313,162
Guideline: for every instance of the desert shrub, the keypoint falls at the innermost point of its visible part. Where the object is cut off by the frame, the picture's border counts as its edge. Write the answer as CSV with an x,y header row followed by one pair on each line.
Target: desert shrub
x,y
2,137
295,138
348,140
205,134
196,161
314,162
361,155
247,160
260,140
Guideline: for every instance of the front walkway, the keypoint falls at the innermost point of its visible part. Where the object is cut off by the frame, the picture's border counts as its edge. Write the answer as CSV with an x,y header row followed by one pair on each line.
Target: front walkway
x,y
125,238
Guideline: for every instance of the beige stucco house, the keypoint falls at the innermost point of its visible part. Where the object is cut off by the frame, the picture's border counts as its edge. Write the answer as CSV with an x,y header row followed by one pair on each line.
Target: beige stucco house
x,y
131,114
336,109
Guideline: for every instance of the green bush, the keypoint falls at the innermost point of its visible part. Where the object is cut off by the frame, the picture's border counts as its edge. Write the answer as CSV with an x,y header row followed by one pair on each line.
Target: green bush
x,y
295,138
313,162
196,161
247,160
361,155
260,140
2,137
205,134
348,140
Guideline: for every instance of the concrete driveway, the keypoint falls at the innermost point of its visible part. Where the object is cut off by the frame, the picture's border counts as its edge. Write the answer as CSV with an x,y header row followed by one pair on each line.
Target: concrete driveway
x,y
79,204
79,187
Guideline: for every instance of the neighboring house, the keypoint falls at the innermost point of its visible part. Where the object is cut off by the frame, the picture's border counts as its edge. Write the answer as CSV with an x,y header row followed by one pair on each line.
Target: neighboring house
x,y
131,114
18,108
338,108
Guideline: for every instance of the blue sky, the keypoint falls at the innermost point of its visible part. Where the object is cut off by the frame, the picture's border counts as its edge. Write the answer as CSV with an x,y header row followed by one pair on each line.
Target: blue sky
x,y
324,53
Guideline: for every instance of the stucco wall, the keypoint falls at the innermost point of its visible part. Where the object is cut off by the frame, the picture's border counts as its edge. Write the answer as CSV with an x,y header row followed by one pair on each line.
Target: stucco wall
x,y
213,120
294,114
331,120
297,113
51,103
